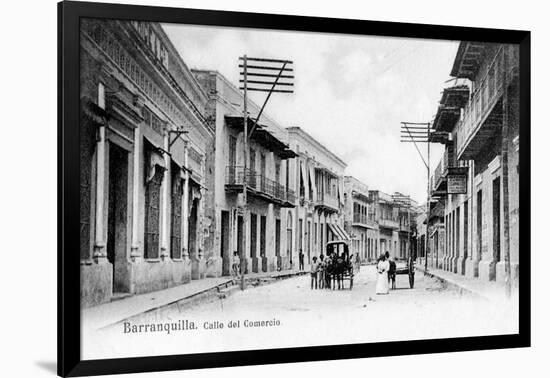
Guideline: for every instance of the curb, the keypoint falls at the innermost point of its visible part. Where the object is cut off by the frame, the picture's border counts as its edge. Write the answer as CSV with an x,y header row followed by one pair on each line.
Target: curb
x,y
220,291
462,290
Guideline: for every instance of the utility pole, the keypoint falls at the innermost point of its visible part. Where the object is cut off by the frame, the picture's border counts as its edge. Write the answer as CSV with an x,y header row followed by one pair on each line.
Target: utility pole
x,y
428,206
245,171
419,132
265,78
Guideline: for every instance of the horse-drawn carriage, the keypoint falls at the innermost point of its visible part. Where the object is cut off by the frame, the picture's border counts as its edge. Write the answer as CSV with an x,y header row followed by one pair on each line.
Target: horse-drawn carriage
x,y
340,265
406,267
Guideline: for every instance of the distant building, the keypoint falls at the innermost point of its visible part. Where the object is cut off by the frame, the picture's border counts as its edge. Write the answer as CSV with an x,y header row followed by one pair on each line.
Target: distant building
x,y
478,122
271,197
317,176
387,217
359,218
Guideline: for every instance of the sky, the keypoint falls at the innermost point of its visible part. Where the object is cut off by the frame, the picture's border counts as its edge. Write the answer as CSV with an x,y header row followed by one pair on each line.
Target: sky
x,y
351,93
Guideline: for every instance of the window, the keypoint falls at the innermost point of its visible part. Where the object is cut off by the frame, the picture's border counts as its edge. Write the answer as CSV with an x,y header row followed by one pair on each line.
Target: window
x,y
252,161
101,96
479,223
232,151
263,225
278,173
287,174
277,237
289,234
496,219
253,234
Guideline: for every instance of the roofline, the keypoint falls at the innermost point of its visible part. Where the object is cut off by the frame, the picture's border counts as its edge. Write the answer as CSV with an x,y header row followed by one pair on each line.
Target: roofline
x,y
187,71
458,58
299,130
360,182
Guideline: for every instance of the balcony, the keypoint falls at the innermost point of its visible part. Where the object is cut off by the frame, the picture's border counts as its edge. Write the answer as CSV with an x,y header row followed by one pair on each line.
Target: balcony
x,y
452,100
482,116
443,170
404,227
327,202
258,186
361,220
439,182
388,223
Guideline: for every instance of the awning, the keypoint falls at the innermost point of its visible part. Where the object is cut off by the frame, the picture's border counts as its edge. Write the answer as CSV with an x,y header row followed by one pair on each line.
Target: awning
x,y
313,187
156,164
339,232
341,191
93,111
177,151
262,135
303,173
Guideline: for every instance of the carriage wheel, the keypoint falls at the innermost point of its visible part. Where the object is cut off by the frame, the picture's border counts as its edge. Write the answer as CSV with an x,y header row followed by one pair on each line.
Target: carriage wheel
x,y
411,279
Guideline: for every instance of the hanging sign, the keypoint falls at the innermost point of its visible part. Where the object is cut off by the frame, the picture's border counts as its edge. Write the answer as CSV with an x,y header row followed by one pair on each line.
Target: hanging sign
x,y
457,184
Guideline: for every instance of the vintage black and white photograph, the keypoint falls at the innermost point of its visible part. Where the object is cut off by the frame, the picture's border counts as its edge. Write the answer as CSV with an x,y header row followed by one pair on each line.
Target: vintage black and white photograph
x,y
246,189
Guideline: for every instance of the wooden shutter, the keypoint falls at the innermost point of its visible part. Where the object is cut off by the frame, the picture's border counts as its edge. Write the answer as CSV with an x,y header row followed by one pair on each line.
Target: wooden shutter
x,y
177,192
152,213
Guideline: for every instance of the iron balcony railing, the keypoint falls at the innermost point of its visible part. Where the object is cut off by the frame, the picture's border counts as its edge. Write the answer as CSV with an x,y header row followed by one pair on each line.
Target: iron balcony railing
x,y
234,176
487,92
327,200
364,220
404,226
388,223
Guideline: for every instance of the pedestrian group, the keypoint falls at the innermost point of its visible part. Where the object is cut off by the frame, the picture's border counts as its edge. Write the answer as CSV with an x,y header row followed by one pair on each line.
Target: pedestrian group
x,y
386,268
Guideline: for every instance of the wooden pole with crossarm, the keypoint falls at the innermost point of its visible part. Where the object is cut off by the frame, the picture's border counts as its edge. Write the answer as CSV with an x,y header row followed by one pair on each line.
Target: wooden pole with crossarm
x,y
263,75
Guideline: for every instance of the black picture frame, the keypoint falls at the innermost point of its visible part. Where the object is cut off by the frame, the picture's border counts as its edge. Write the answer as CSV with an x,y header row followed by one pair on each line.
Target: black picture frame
x,y
69,361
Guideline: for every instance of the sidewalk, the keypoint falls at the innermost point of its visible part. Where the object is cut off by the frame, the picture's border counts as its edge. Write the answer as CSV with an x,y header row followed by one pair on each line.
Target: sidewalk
x,y
113,312
488,290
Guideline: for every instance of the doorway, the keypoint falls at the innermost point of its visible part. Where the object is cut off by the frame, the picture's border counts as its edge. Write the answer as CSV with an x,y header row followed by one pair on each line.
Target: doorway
x,y
240,241
192,229
224,245
496,222
118,216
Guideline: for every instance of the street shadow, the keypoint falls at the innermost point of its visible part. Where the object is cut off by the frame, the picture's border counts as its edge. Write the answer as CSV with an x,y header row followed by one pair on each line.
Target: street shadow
x,y
49,366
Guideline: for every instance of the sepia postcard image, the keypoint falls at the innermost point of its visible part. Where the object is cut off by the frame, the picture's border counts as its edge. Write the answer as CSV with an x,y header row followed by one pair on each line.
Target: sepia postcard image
x,y
245,189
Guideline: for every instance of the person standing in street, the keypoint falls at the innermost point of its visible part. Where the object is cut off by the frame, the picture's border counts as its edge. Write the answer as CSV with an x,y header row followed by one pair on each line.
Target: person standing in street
x,y
391,270
301,260
314,271
382,284
321,275
235,264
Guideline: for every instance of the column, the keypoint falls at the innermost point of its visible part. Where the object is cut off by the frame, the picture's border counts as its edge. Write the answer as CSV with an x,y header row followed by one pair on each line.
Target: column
x,y
100,253
164,252
185,208
135,253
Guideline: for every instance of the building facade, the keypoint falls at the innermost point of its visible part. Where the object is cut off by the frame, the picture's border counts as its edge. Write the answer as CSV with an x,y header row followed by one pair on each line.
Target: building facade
x,y
270,194
144,182
477,180
360,219
317,177
387,217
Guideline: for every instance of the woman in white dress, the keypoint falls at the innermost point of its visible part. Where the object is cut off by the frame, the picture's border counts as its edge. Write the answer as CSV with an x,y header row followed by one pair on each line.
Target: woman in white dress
x,y
382,284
